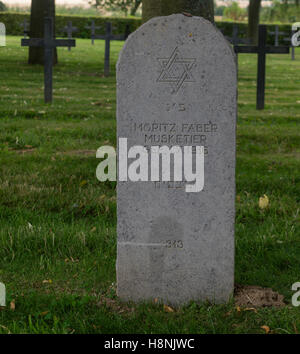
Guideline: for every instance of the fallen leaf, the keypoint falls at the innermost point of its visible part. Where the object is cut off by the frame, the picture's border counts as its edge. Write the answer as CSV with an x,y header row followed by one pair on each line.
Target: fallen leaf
x,y
49,281
93,229
44,313
265,328
263,202
168,308
13,305
238,309
250,309
83,183
5,329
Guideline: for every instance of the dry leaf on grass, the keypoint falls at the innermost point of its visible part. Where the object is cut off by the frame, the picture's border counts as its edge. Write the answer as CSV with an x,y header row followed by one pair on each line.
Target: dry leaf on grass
x,y
266,329
263,202
13,305
168,308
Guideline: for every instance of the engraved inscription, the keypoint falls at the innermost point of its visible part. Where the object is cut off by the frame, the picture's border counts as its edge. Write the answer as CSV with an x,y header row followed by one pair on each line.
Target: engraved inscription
x,y
176,70
174,244
184,134
180,107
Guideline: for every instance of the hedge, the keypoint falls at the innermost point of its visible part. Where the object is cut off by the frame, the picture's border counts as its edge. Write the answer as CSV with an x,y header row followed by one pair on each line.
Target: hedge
x,y
13,23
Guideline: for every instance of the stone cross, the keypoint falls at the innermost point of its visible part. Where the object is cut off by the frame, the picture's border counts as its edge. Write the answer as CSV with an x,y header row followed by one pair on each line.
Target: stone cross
x,y
25,26
93,29
276,33
48,43
177,100
69,29
2,295
262,49
109,36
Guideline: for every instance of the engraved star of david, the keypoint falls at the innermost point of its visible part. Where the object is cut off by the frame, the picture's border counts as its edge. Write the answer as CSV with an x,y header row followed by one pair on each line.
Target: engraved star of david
x,y
176,70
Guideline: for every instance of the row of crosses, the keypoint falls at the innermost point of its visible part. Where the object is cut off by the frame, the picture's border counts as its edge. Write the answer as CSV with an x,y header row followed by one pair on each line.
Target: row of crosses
x,y
109,36
261,49
49,43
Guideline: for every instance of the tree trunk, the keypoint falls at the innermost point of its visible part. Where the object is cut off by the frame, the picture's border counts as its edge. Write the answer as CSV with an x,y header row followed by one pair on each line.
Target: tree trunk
x,y
253,20
39,10
135,7
153,8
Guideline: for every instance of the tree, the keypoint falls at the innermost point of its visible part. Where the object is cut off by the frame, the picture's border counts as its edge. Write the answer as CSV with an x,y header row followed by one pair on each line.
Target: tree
x,y
234,12
39,10
2,6
122,5
253,20
153,8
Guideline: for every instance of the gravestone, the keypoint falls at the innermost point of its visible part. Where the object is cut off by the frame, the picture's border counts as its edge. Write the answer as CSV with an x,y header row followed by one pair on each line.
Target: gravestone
x,y
69,29
2,295
2,35
289,40
276,33
93,29
108,37
25,26
262,49
48,43
177,86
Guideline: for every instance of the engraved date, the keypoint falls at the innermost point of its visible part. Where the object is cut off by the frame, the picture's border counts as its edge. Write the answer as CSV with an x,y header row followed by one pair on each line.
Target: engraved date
x,y
174,244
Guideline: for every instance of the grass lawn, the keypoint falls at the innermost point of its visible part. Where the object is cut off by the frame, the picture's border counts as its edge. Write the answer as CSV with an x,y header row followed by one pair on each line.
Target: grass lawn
x,y
58,223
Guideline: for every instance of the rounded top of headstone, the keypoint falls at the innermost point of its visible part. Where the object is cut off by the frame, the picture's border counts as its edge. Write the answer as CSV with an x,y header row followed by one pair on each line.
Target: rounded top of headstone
x,y
196,30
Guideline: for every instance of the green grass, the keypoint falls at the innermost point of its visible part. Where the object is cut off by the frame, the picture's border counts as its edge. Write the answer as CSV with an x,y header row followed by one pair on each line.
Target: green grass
x,y
58,223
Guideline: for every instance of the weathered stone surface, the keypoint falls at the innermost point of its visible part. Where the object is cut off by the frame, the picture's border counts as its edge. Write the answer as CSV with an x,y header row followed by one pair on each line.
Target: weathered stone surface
x,y
177,85
2,295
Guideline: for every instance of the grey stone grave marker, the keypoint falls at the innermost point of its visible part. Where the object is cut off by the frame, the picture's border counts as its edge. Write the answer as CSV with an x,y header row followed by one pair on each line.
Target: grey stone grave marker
x,y
177,86
2,295
2,35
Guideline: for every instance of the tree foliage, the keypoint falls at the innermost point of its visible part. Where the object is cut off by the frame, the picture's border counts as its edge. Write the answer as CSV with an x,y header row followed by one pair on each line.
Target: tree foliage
x,y
126,6
2,6
235,12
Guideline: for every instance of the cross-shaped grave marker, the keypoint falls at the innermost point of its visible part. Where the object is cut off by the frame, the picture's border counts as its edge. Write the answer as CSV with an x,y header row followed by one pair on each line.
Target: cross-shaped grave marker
x,y
289,39
262,49
93,29
25,26
109,36
234,39
69,29
276,33
48,43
